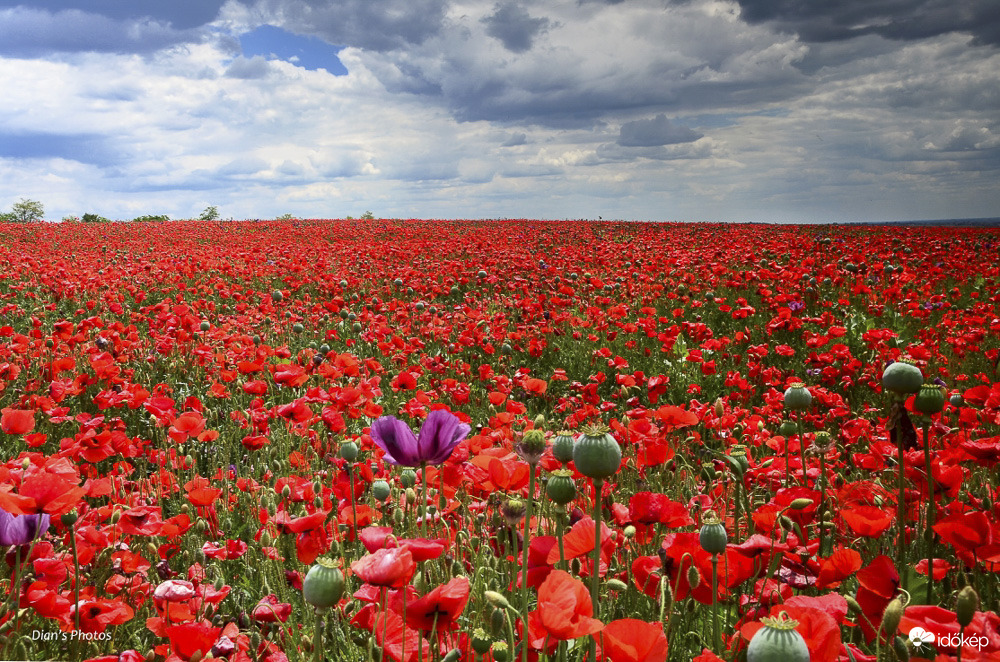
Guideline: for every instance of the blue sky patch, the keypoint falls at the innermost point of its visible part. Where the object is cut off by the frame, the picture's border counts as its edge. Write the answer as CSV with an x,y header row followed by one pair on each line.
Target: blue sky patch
x,y
309,53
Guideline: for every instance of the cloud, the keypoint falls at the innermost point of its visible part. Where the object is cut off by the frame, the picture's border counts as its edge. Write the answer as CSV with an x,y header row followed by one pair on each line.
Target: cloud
x,y
30,32
515,140
252,68
376,26
179,14
893,19
513,26
653,132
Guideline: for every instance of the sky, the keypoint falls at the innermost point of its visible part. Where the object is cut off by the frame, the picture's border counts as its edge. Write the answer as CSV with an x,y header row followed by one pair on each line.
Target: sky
x,y
715,110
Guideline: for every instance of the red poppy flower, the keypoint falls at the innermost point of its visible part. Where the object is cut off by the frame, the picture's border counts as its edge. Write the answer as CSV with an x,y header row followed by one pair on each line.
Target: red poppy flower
x,y
564,611
271,610
878,581
868,521
438,609
97,615
190,638
653,508
632,640
17,421
392,567
837,567
820,630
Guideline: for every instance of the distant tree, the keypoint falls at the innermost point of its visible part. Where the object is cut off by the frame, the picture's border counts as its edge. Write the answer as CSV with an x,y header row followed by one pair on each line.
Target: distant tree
x,y
151,218
94,218
285,217
210,214
368,216
28,211
7,217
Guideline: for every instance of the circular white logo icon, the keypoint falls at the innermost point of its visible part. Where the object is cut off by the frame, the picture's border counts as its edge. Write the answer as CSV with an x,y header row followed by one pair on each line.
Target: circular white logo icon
x,y
919,636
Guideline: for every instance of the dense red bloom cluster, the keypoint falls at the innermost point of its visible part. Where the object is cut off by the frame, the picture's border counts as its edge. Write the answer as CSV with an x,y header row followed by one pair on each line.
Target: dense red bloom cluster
x,y
194,413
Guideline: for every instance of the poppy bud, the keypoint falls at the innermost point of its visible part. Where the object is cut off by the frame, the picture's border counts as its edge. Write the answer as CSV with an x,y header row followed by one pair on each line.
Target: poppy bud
x,y
408,478
575,566
116,516
852,605
693,577
616,585
531,446
453,655
900,649
891,617
411,496
496,599
397,516
965,608
800,504
719,407
539,422
497,621
629,532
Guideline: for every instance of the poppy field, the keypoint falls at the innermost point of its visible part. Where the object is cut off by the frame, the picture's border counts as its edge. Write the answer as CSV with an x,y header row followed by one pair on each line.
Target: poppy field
x,y
354,440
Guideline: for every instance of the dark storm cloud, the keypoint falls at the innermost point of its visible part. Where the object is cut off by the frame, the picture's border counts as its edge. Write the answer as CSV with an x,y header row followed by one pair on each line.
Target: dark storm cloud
x,y
377,26
514,27
835,20
28,32
654,132
180,14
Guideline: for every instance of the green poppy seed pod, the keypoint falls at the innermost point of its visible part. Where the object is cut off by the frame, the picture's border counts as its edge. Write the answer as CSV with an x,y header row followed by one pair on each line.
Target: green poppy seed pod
x,y
205,325
597,454
562,446
560,487
966,606
381,490
323,585
408,478
798,397
501,653
891,617
349,451
787,428
277,296
713,536
481,641
929,400
513,511
69,519
956,400
778,641
902,377
452,656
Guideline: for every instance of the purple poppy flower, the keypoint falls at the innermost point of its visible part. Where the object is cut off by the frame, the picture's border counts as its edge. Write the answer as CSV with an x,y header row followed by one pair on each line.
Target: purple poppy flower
x,y
439,435
21,529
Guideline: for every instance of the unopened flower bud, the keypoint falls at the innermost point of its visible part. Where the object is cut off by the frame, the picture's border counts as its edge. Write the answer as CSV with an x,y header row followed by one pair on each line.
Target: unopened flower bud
x,y
891,617
496,599
800,504
966,606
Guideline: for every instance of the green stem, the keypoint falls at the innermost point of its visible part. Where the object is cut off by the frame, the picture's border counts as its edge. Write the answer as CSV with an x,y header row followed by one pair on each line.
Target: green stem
x,y
716,642
560,525
422,508
900,503
930,512
595,578
822,501
318,636
524,552
802,450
